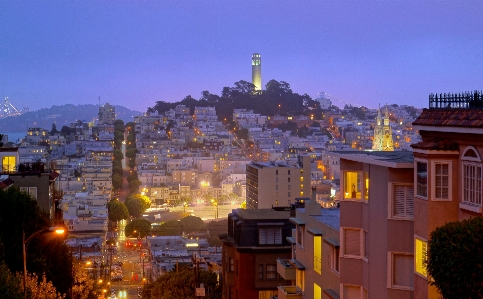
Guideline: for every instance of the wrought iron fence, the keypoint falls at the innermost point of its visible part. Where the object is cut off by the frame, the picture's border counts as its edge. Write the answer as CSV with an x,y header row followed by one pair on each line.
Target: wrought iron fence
x,y
456,100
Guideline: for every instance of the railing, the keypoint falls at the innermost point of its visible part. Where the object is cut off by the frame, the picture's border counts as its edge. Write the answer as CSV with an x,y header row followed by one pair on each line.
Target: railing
x,y
455,101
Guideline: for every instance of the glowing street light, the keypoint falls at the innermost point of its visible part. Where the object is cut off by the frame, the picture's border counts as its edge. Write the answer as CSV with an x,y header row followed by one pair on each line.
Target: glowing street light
x,y
56,229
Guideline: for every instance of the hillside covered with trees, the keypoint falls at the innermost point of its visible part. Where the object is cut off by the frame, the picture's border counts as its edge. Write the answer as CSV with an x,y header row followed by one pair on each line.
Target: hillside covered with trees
x,y
277,97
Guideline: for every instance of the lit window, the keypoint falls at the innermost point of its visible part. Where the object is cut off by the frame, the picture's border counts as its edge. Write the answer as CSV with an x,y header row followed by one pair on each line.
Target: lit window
x,y
318,254
317,291
420,256
353,187
300,279
8,163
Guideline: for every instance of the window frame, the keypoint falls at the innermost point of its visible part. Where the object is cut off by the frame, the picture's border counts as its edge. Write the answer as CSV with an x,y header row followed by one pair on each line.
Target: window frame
x,y
361,189
231,264
277,231
417,188
269,270
363,291
335,259
261,271
300,232
300,279
416,257
362,244
392,201
391,274
7,165
434,163
318,253
471,161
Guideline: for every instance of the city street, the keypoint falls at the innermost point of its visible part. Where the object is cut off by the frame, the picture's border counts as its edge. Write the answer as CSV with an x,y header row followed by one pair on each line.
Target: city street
x,y
132,267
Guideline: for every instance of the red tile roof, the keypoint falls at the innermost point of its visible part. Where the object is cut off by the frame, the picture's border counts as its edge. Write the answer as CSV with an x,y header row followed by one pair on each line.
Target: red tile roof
x,y
468,118
445,145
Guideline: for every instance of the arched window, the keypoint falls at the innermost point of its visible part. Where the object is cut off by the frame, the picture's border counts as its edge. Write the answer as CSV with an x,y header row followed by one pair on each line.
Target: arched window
x,y
472,184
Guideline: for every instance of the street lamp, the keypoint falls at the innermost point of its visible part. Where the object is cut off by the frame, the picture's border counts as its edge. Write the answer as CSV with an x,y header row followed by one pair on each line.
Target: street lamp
x,y
56,229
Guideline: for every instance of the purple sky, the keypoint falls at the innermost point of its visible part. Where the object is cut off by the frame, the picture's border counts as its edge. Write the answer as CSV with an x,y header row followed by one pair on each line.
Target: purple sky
x,y
134,53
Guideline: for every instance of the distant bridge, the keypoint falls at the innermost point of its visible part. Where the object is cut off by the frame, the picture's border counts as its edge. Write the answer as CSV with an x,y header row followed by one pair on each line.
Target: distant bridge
x,y
7,109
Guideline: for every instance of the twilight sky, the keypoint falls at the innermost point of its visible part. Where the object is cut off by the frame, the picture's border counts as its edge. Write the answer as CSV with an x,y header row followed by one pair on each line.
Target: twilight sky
x,y
134,53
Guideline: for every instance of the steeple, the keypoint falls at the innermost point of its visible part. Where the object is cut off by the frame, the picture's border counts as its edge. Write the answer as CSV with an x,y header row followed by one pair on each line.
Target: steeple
x,y
382,132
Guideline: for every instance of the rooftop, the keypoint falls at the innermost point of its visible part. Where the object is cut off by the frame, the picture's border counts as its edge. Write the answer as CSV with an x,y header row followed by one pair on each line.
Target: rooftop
x,y
330,217
448,117
397,159
261,214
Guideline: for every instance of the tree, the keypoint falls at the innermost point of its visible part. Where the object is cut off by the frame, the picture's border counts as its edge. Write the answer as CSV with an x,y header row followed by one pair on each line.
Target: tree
x,y
116,180
47,254
40,288
67,130
10,285
192,224
453,259
132,176
290,126
242,134
169,228
54,129
117,210
146,201
119,125
131,153
141,225
83,286
303,132
180,285
118,155
135,207
134,185
117,169
215,241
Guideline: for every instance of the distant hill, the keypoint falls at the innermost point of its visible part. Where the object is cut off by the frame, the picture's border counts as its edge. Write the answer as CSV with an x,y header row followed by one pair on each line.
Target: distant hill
x,y
60,115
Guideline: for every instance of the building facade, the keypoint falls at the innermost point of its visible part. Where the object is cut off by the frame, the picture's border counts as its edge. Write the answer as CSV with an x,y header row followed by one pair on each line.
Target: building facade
x,y
447,172
107,114
376,225
272,184
255,240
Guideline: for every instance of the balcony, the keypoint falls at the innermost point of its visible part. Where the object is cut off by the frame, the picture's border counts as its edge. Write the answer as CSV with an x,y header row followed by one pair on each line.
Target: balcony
x,y
285,269
289,292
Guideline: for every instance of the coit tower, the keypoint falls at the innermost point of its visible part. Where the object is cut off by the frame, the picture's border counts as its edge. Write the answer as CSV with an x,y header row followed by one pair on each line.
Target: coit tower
x,y
257,71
